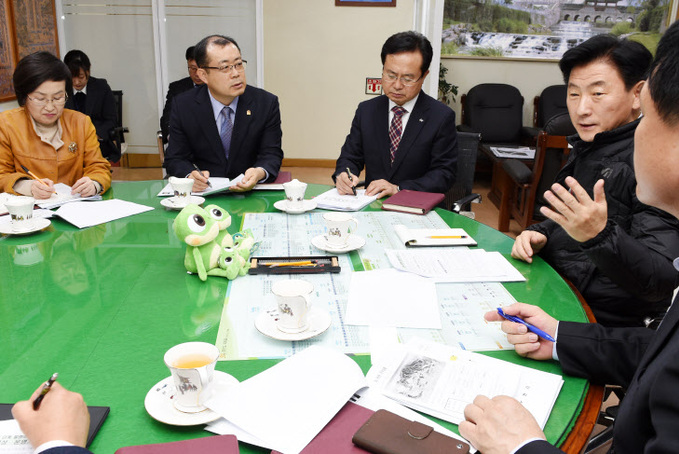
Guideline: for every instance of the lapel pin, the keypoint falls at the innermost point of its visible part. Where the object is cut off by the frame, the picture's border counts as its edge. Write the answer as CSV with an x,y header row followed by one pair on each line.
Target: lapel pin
x,y
248,113
421,120
73,147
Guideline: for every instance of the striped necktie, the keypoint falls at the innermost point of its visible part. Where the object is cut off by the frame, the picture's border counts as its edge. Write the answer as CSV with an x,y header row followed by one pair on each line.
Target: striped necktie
x,y
395,130
226,129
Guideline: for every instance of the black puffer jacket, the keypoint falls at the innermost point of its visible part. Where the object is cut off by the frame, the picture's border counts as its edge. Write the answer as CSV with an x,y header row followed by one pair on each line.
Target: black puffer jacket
x,y
625,273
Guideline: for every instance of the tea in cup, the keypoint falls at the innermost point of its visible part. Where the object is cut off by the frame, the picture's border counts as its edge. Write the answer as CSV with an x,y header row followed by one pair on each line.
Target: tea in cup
x,y
293,297
182,189
340,226
192,365
294,193
20,210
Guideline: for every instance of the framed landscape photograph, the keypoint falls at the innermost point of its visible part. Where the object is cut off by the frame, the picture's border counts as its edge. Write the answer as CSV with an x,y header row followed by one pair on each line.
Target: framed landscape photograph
x,y
545,29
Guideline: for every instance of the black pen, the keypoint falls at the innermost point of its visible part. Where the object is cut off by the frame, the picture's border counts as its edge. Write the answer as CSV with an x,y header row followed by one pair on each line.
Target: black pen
x,y
351,178
201,172
45,389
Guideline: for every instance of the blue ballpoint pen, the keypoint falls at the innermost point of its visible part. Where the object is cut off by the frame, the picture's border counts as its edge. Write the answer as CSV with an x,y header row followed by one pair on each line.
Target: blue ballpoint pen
x,y
515,319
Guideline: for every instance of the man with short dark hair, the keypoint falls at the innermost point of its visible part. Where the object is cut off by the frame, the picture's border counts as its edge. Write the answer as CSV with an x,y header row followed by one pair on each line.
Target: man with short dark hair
x,y
616,250
177,87
404,138
224,127
93,97
641,360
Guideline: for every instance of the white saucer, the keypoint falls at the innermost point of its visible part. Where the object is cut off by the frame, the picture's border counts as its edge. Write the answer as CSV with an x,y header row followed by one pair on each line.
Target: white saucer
x,y
38,224
172,204
307,205
355,242
319,321
158,402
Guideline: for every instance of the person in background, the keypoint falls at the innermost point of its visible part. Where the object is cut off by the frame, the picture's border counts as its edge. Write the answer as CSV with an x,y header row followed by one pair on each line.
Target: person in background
x,y
59,426
224,127
641,360
177,87
616,250
404,138
57,145
93,97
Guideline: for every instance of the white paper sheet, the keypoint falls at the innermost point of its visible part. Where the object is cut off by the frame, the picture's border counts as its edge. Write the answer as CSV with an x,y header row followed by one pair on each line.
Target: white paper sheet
x,y
456,265
287,405
514,152
62,196
219,184
12,439
392,298
87,214
332,200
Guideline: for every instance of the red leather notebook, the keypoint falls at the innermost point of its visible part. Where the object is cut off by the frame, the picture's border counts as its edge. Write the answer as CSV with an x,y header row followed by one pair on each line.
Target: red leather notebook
x,y
335,438
416,202
217,444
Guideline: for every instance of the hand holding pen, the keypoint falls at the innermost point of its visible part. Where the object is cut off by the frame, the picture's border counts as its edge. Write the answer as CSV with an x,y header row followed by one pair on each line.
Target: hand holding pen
x,y
42,188
526,342
63,415
201,179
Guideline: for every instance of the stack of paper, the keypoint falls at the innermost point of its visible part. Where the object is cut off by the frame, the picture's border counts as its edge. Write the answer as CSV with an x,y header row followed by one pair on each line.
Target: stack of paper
x,y
433,237
88,214
455,265
332,200
442,380
63,195
218,184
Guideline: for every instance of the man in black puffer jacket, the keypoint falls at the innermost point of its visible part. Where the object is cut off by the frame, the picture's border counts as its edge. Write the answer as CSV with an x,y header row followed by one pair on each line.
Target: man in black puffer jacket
x,y
616,250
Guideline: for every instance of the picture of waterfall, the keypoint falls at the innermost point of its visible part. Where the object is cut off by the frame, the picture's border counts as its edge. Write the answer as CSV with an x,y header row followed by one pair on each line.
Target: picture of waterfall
x,y
545,29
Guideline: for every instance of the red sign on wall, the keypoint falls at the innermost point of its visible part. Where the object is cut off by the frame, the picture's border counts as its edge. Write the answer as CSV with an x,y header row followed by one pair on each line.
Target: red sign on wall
x,y
373,85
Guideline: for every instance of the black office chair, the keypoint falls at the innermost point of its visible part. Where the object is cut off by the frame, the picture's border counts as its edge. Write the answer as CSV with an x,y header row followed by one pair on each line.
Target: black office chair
x,y
550,103
459,197
117,134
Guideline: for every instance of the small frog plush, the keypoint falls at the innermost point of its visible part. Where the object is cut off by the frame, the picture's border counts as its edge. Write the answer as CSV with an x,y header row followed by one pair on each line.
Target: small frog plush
x,y
194,226
223,219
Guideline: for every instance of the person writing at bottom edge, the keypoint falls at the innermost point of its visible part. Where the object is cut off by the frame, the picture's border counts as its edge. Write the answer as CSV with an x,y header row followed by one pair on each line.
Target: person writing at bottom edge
x,y
404,138
224,127
641,360
59,426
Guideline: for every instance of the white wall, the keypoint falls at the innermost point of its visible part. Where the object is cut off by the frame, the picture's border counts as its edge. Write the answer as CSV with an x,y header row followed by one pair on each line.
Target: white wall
x,y
316,59
530,77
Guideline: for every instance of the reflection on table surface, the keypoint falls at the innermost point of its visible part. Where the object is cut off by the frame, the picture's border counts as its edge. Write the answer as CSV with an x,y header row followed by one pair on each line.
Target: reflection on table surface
x,y
102,305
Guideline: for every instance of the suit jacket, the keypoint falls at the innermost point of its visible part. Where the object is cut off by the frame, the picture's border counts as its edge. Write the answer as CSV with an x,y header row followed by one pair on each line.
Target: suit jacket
x,y
194,137
101,107
643,361
426,159
175,88
67,450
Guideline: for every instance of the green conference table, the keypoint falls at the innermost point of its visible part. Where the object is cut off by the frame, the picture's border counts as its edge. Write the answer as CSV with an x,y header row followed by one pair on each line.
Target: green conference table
x,y
102,305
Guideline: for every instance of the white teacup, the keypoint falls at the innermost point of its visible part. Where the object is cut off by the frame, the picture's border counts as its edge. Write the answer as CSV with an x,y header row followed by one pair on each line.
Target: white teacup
x,y
294,193
340,226
192,365
293,297
20,213
182,188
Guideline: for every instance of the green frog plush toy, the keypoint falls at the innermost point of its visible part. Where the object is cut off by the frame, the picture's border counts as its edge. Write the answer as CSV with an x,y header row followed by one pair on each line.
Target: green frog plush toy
x,y
223,220
204,256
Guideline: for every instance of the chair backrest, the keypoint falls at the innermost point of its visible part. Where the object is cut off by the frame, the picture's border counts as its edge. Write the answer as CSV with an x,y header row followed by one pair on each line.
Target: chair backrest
x,y
551,102
495,111
118,133
467,146
554,158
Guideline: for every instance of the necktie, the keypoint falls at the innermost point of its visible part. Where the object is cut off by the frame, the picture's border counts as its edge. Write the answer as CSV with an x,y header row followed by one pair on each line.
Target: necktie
x,y
395,130
79,101
226,129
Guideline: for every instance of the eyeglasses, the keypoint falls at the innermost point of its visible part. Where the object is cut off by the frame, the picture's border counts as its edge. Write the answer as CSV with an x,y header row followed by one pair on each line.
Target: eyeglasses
x,y
192,69
240,67
408,81
56,101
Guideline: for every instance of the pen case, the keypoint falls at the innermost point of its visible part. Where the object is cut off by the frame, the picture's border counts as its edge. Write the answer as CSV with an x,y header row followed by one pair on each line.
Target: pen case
x,y
388,433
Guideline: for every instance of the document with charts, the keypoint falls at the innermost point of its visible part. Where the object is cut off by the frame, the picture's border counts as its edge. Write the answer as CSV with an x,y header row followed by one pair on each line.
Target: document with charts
x,y
461,305
441,380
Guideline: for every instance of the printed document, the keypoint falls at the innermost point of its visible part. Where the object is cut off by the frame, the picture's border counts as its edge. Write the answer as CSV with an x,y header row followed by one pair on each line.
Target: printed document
x,y
332,200
218,184
63,195
455,265
441,380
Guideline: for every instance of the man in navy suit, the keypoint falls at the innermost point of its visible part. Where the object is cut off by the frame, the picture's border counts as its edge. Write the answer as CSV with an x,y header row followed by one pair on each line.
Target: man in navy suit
x,y
404,138
639,359
224,127
93,97
177,87
60,424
